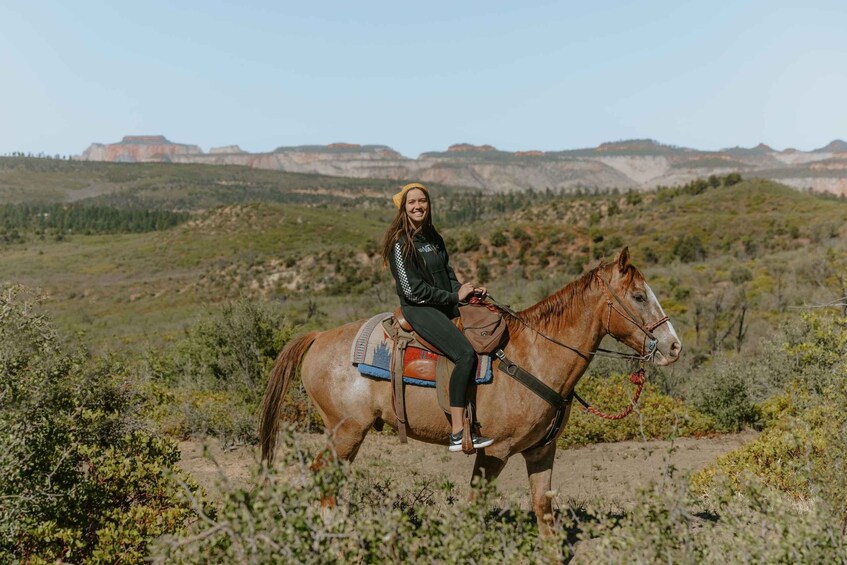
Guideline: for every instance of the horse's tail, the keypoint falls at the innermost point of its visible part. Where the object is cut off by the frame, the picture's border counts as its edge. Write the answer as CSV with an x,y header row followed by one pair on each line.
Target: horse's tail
x,y
285,367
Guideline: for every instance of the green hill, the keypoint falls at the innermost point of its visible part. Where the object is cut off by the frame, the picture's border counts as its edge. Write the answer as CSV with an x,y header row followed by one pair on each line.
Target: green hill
x,y
173,186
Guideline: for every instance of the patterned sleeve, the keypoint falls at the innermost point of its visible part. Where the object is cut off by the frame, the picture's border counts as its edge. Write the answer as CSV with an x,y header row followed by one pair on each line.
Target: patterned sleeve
x,y
411,283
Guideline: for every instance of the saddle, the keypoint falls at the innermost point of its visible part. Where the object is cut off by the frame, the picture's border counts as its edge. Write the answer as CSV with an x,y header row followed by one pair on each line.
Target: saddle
x,y
406,340
386,347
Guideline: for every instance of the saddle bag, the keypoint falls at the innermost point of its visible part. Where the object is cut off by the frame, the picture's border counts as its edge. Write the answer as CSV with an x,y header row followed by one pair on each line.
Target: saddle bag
x,y
484,327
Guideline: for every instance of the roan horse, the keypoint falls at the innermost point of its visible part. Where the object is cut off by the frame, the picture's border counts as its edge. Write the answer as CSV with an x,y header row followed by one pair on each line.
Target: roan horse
x,y
611,299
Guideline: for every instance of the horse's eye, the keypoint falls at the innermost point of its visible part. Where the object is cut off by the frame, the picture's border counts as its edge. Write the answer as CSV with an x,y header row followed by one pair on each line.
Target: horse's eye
x,y
640,297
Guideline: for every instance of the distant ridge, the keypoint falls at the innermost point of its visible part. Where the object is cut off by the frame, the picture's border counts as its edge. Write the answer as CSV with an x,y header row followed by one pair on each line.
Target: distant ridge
x,y
627,164
835,146
338,148
139,149
144,139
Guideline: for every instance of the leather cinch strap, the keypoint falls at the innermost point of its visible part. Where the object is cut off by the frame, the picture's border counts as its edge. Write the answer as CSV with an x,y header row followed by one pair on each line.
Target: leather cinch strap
x,y
397,395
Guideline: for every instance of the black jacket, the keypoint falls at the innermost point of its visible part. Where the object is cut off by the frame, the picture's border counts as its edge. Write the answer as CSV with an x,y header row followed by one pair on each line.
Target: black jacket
x,y
435,286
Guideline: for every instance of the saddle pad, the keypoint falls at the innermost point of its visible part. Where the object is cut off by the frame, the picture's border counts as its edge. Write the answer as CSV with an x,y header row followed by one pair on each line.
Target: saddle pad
x,y
363,351
371,353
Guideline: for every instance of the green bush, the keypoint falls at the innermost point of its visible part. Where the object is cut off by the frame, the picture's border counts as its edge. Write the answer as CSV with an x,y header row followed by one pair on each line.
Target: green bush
x,y
468,241
282,520
803,450
744,523
81,479
499,239
657,417
722,391
212,381
689,248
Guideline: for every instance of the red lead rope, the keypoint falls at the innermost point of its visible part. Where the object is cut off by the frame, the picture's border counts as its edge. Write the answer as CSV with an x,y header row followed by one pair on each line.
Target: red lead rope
x,y
637,378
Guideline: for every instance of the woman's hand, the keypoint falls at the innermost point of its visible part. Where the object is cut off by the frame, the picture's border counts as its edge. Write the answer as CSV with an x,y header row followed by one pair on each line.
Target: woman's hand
x,y
481,291
465,290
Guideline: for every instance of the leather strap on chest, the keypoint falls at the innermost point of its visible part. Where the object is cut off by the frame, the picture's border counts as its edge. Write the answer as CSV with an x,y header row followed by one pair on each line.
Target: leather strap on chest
x,y
550,396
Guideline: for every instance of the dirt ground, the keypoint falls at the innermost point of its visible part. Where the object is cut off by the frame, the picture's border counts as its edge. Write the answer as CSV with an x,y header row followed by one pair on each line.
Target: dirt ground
x,y
610,473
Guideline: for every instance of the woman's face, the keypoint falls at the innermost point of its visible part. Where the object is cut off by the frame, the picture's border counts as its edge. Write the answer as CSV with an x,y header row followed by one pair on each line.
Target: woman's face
x,y
417,206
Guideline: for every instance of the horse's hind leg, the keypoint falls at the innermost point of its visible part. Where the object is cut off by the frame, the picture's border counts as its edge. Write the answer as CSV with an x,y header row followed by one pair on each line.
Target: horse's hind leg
x,y
345,439
539,467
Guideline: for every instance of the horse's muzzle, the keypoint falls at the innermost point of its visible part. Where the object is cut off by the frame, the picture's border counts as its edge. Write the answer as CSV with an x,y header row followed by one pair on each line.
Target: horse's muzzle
x,y
662,359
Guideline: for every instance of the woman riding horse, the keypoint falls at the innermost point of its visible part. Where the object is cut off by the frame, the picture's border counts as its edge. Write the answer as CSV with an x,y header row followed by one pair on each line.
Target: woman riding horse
x,y
430,293
554,340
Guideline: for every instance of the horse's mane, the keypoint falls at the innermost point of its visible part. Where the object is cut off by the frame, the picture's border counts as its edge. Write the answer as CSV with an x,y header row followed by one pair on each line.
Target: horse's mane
x,y
563,306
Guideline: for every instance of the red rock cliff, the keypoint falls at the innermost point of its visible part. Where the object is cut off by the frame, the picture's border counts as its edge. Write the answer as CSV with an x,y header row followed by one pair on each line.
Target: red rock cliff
x,y
139,148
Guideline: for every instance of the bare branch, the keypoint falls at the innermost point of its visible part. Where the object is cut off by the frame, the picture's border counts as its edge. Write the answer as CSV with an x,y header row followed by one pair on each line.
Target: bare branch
x,y
839,303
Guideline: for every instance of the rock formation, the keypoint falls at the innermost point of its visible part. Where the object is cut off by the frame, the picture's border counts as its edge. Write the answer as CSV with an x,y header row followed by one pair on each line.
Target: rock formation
x,y
630,164
138,149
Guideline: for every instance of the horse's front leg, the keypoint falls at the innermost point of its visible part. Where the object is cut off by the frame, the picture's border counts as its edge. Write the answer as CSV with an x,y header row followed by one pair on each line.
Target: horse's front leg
x,y
539,468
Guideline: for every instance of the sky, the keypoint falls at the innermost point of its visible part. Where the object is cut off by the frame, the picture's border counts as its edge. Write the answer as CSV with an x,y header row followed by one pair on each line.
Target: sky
x,y
422,76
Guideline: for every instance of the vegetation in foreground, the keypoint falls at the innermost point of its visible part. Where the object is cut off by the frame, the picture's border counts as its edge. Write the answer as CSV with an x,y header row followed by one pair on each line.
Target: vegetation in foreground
x,y
83,479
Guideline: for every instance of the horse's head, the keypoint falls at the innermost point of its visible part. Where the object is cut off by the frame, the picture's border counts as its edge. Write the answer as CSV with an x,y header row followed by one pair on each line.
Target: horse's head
x,y
634,315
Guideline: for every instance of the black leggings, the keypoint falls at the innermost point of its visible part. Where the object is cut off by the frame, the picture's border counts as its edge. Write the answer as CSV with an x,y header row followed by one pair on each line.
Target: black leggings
x,y
435,327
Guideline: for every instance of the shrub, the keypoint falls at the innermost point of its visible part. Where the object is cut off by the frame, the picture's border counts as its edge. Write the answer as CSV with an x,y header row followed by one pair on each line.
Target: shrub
x,y
657,417
740,274
732,179
803,450
282,521
212,381
81,480
483,272
499,239
689,248
746,523
722,391
633,198
520,235
468,241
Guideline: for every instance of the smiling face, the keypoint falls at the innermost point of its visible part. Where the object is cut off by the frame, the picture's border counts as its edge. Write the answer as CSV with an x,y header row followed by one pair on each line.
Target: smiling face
x,y
417,206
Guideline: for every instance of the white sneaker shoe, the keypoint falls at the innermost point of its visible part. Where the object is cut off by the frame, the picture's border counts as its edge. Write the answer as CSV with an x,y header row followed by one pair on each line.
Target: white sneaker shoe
x,y
478,442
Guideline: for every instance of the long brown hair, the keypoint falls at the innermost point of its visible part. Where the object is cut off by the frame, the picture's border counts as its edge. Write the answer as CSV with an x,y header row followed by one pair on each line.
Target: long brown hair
x,y
402,229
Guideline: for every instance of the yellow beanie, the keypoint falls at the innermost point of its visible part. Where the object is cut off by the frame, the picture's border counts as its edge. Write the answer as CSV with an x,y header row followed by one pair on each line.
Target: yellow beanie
x,y
398,198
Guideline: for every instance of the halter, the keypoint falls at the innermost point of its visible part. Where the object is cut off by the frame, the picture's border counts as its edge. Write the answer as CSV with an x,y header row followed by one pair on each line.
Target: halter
x,y
648,348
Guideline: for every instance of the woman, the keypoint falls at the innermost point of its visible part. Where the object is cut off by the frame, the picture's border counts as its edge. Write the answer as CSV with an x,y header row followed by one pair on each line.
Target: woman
x,y
430,294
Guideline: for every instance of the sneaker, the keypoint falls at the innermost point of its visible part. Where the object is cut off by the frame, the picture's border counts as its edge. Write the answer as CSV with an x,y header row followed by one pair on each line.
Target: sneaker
x,y
478,442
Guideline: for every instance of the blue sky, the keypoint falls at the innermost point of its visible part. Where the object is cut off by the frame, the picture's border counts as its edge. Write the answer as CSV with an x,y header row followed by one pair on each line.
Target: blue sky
x,y
422,76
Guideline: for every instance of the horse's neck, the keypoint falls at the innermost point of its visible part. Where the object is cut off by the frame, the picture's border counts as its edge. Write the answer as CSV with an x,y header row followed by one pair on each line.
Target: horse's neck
x,y
577,324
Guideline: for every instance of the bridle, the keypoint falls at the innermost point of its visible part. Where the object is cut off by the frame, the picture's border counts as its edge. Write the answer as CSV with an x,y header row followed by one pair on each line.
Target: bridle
x,y
648,347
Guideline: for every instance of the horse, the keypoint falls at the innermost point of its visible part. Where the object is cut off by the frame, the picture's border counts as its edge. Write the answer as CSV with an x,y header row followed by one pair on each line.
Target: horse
x,y
554,340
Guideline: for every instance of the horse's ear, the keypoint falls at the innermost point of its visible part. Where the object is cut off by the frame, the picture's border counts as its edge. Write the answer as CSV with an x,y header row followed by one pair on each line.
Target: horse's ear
x,y
623,260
